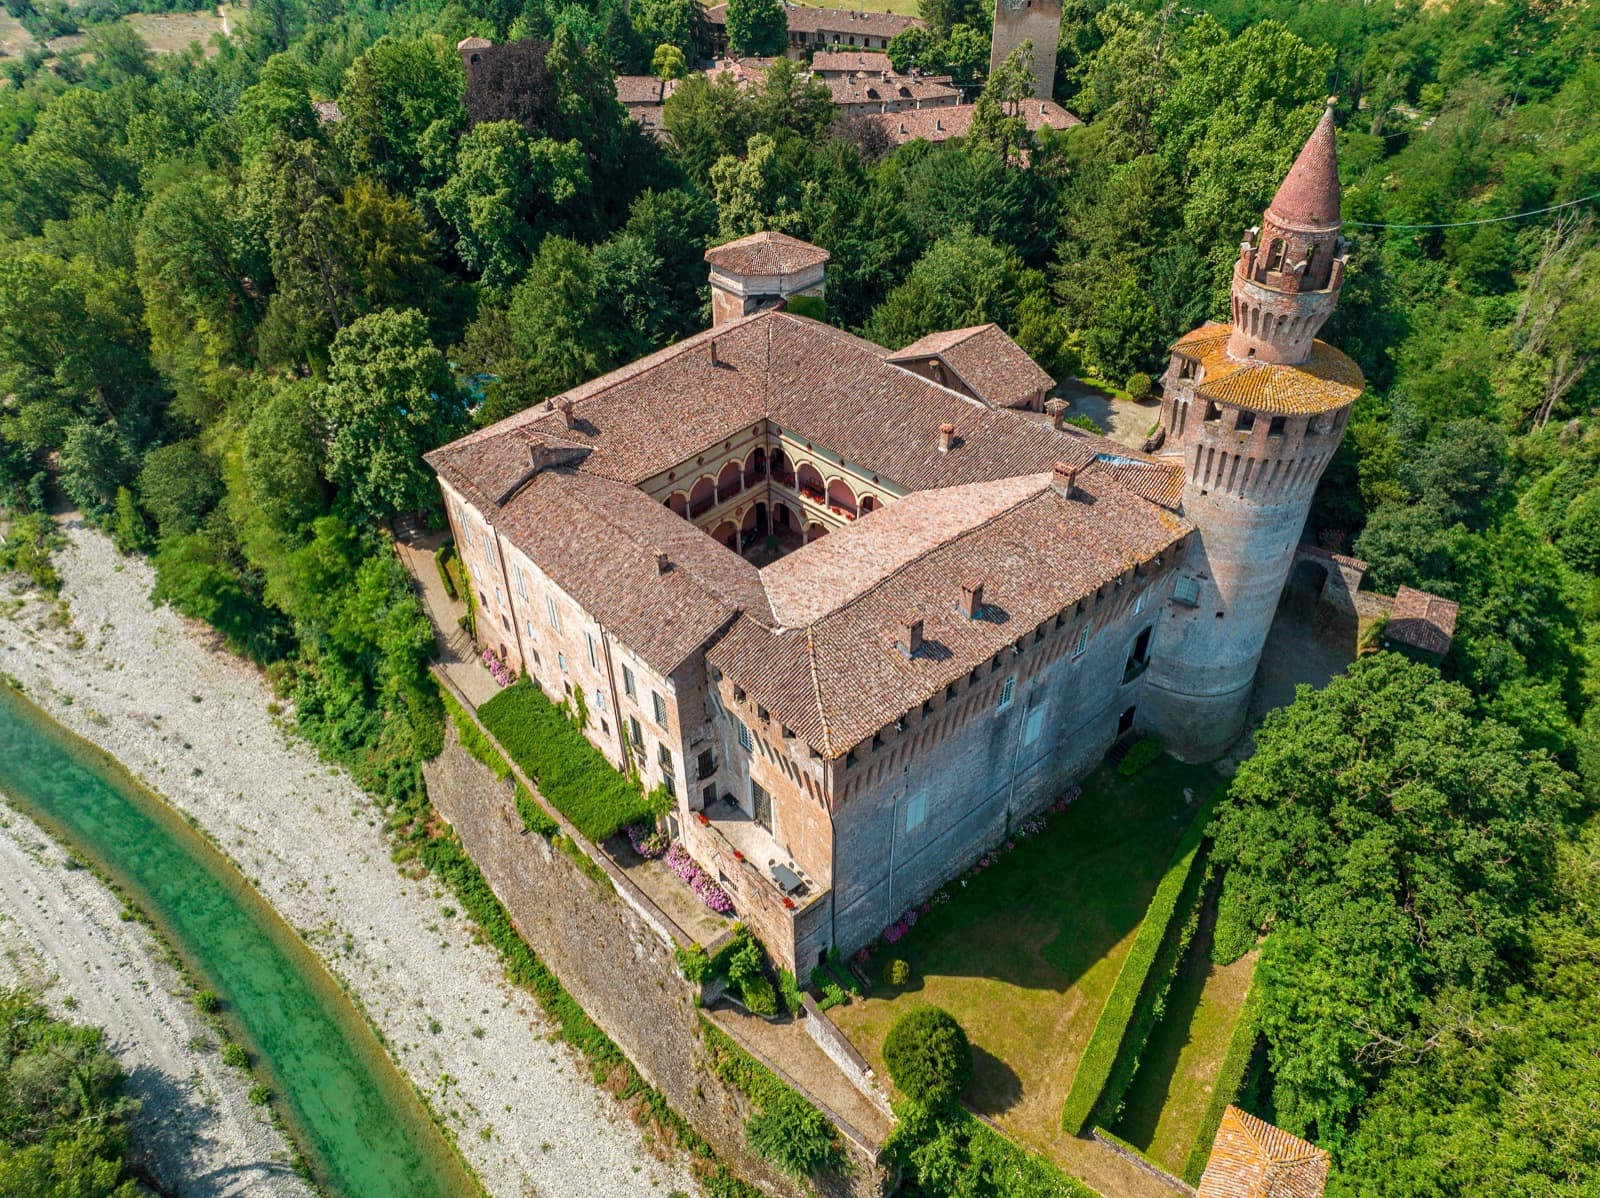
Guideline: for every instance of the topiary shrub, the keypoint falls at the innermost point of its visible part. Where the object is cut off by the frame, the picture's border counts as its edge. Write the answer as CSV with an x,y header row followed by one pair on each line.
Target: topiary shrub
x,y
898,973
1139,385
928,1056
1142,754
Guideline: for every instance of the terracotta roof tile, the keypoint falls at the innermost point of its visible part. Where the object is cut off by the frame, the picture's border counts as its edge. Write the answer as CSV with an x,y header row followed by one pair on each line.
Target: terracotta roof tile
x,y
859,90
993,366
766,254
1326,382
832,61
1422,621
1308,197
1250,1158
805,19
941,124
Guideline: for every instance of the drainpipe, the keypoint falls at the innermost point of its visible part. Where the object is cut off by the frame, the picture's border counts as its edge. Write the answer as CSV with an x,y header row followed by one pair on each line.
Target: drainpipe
x,y
1016,754
611,687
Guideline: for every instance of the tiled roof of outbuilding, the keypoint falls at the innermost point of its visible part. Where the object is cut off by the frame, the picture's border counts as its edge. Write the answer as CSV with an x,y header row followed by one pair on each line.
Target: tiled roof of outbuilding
x,y
1422,621
766,254
829,61
1326,382
941,124
1250,1158
993,366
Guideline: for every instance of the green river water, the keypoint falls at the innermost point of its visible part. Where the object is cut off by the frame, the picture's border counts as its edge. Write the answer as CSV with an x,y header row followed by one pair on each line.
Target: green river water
x,y
360,1126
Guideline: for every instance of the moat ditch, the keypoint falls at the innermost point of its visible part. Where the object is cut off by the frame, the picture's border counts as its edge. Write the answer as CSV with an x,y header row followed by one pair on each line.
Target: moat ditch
x,y
363,1131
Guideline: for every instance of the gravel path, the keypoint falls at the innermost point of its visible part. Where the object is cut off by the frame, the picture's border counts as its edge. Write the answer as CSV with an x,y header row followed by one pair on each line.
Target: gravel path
x,y
195,725
61,934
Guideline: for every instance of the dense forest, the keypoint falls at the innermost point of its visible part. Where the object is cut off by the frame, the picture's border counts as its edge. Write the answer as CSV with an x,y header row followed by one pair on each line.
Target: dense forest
x,y
230,327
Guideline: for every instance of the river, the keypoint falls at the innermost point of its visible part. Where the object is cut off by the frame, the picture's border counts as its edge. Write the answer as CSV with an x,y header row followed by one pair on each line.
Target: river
x,y
361,1127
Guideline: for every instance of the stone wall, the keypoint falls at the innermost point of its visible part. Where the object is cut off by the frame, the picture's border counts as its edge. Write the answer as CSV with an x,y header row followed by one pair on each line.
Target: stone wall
x,y
614,962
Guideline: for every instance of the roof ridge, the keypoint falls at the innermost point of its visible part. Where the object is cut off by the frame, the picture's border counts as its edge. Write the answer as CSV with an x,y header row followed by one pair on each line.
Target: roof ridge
x,y
816,691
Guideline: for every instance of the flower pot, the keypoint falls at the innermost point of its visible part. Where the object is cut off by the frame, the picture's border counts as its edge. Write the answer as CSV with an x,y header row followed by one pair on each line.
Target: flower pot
x,y
701,816
737,855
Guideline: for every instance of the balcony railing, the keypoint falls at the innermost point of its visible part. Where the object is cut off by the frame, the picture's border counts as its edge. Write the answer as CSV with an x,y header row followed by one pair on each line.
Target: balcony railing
x,y
701,506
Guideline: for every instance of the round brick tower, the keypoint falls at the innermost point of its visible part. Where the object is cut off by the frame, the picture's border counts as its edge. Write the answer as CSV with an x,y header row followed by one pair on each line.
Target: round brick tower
x,y
1254,410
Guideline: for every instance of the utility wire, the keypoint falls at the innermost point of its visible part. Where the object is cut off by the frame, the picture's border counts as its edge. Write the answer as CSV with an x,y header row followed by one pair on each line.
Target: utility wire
x,y
1487,220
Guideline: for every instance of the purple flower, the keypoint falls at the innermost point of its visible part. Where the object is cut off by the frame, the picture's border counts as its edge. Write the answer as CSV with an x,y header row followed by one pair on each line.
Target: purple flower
x,y
909,918
927,907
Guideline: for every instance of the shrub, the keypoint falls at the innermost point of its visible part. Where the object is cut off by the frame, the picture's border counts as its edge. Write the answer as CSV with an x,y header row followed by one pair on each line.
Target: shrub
x,y
1087,423
789,988
694,963
759,996
234,1055
259,1095
1142,754
1139,384
1141,985
534,817
207,1001
898,973
928,1056
794,1136
571,773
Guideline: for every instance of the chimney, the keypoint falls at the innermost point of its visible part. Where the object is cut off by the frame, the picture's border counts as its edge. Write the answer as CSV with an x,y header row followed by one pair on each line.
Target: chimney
x,y
909,639
711,349
972,598
564,406
1063,479
947,437
662,564
1057,410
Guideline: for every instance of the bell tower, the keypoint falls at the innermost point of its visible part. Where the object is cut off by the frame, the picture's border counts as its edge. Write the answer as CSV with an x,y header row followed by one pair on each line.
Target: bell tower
x,y
1036,21
1253,410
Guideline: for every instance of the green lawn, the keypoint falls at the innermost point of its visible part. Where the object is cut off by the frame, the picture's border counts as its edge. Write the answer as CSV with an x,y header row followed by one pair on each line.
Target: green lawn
x,y
1025,954
1167,1101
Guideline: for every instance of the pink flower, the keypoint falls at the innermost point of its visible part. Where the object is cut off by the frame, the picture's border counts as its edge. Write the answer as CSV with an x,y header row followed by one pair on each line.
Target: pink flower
x,y
926,907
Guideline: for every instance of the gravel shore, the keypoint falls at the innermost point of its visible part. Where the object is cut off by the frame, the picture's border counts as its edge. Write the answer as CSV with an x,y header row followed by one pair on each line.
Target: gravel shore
x,y
194,724
62,936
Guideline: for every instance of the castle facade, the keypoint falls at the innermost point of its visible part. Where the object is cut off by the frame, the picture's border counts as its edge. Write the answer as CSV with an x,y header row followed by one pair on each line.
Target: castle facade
x,y
861,610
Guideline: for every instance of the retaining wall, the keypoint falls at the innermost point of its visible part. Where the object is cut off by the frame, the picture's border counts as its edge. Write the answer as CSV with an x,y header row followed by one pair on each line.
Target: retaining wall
x,y
616,959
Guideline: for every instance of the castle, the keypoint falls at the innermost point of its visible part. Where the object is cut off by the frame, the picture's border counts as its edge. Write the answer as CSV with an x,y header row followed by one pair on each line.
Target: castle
x,y
860,610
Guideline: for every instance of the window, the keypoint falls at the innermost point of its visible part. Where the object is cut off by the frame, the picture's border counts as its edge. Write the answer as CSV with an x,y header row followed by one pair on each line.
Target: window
x,y
1244,421
561,660
1138,602
668,785
1081,643
660,706
531,633
499,598
635,733
916,811
627,684
1279,423
1187,592
1007,693
594,657
599,699
522,583
550,610
664,756
705,765
1275,254
488,548
745,742
1034,725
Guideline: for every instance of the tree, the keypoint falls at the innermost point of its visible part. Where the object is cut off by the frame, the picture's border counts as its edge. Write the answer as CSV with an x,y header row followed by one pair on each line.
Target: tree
x,y
941,16
94,462
178,485
1393,846
277,104
758,192
907,47
928,1056
997,121
668,63
281,456
393,94
389,399
677,23
757,27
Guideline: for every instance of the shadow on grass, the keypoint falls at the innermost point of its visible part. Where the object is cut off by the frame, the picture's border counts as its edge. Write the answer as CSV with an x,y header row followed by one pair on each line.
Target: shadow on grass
x,y
995,1088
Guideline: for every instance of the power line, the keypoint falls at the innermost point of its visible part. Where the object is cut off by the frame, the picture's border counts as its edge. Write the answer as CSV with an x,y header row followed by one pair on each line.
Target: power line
x,y
1487,220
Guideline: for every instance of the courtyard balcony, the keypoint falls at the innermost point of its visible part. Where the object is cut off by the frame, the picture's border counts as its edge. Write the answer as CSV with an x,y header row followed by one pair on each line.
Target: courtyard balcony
x,y
763,861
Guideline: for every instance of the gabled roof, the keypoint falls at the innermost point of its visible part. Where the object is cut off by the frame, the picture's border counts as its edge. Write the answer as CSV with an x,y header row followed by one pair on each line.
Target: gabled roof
x,y
993,366
766,254
1308,197
941,124
825,61
1250,1158
1325,382
1422,621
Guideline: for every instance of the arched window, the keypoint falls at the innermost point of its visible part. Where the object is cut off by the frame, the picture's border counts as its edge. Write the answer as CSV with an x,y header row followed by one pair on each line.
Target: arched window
x,y
842,497
728,533
868,503
702,497
730,482
1275,254
679,503
1311,258
756,468
782,471
815,532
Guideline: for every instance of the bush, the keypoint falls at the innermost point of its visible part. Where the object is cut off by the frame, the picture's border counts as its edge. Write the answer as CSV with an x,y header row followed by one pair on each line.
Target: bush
x,y
1139,384
898,973
1141,985
928,1056
1142,754
950,1152
207,1001
759,997
1087,423
259,1095
234,1055
571,773
789,988
794,1136
534,817
694,963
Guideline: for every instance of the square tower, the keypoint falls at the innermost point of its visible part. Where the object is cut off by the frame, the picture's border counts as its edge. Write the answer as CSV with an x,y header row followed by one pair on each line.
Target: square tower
x,y
1036,21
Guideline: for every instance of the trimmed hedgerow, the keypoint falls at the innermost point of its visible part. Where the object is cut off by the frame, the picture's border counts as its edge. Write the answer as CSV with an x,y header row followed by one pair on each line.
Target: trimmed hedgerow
x,y
441,559
571,773
1230,1083
1136,996
785,1128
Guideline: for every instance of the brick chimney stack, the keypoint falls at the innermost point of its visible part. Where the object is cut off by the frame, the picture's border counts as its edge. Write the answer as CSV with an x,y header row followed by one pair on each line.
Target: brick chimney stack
x,y
947,437
972,598
564,406
663,564
1056,409
909,639
1064,479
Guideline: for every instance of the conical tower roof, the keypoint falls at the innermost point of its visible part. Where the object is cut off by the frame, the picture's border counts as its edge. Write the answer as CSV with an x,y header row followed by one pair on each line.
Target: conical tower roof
x,y
1309,193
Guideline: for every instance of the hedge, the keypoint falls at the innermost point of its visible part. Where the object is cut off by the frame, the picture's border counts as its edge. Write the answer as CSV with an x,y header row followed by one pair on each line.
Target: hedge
x,y
1143,753
941,1150
572,775
441,559
1230,1081
1141,984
